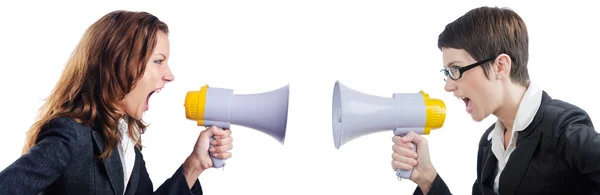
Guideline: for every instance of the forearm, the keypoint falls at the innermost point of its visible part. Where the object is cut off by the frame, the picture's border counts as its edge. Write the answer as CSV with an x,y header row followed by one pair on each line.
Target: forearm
x,y
191,170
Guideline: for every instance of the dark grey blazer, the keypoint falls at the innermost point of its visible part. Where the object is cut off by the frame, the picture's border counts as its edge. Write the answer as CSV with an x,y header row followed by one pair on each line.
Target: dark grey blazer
x,y
64,162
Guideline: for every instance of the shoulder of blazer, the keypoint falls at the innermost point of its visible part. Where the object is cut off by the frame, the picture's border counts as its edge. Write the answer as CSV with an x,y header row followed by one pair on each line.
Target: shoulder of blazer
x,y
66,122
563,113
79,133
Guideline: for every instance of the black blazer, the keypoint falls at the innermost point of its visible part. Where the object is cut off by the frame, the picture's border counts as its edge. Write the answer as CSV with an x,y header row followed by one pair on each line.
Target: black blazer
x,y
558,153
64,162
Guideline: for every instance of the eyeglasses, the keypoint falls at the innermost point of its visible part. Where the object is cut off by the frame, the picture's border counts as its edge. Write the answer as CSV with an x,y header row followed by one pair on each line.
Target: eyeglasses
x,y
456,72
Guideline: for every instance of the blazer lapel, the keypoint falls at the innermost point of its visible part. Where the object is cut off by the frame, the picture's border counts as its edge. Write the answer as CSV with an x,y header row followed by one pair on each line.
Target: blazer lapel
x,y
517,165
135,174
527,143
489,168
112,164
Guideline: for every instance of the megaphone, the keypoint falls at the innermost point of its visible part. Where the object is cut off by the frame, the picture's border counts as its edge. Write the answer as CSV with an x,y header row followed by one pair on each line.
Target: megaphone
x,y
356,114
266,112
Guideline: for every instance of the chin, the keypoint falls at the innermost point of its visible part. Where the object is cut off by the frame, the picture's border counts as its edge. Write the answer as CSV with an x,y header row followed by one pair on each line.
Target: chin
x,y
477,119
476,116
137,115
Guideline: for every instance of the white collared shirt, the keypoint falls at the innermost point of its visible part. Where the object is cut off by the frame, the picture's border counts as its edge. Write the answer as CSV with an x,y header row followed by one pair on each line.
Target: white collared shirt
x,y
126,152
526,112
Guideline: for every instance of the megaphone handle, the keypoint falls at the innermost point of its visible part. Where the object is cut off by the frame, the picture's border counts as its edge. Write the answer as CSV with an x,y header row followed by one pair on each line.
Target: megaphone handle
x,y
217,162
405,174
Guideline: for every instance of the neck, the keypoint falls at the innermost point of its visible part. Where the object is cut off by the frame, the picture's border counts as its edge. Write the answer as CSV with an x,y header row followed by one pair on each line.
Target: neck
x,y
510,104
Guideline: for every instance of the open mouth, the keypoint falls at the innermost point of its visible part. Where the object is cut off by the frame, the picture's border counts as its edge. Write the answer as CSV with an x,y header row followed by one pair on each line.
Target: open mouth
x,y
468,104
148,98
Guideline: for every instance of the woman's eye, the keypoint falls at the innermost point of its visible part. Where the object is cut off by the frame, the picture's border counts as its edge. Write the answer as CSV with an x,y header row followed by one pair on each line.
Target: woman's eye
x,y
158,61
455,69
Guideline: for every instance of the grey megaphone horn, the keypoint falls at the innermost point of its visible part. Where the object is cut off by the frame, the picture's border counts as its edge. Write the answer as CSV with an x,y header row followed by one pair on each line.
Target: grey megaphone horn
x,y
266,112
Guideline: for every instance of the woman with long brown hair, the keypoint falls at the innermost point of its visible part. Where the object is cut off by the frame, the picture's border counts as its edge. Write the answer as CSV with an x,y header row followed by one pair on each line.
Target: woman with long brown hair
x,y
87,138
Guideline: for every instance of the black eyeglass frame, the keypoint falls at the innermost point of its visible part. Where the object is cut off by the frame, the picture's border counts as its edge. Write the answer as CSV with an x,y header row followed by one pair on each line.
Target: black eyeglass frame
x,y
463,69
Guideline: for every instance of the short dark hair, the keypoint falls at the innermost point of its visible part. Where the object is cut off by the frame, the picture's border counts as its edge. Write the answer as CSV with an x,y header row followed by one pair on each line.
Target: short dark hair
x,y
486,32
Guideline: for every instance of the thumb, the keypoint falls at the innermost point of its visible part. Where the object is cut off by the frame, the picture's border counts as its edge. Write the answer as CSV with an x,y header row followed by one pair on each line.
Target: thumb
x,y
210,132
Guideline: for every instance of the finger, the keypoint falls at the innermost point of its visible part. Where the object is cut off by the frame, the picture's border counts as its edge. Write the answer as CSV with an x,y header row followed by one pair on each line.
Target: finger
x,y
223,155
397,139
226,132
208,132
403,159
409,137
408,145
216,132
223,148
399,165
404,151
415,138
224,141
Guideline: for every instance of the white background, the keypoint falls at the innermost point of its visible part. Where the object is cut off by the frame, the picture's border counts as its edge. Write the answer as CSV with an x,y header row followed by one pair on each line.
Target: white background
x,y
252,46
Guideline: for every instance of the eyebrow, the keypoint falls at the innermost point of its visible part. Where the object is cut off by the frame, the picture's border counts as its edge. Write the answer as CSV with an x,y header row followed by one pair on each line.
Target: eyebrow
x,y
164,56
452,63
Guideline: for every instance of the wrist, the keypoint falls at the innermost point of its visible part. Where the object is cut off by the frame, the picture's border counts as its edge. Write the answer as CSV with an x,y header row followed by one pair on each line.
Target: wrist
x,y
192,167
426,180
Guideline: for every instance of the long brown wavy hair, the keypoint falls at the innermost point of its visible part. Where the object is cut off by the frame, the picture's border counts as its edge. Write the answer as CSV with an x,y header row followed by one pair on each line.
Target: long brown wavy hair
x,y
105,66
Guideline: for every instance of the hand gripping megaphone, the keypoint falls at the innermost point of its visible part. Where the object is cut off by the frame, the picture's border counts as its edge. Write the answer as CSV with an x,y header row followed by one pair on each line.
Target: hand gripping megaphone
x,y
356,114
266,112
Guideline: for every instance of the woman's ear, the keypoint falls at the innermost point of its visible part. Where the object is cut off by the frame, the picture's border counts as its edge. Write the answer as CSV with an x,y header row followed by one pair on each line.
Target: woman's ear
x,y
503,65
